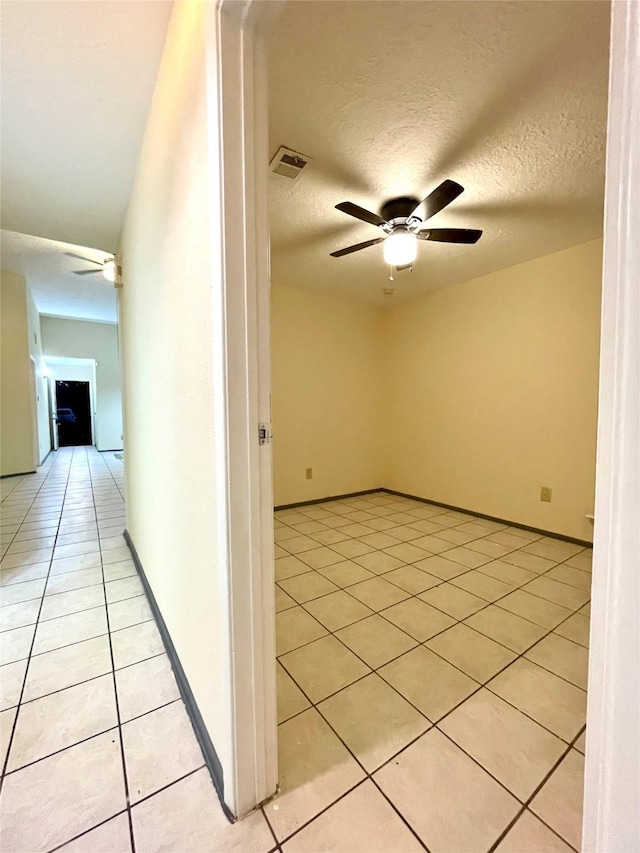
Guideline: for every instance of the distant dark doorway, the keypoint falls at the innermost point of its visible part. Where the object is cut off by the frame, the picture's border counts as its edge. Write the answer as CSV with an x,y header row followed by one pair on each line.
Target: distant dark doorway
x,y
73,413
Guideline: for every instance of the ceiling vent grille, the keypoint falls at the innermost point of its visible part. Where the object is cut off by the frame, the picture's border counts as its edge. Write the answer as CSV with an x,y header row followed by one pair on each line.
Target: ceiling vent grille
x,y
288,165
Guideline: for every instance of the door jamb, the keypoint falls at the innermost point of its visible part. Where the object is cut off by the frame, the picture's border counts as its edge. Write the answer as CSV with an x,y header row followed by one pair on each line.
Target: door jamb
x,y
612,773
236,33
33,384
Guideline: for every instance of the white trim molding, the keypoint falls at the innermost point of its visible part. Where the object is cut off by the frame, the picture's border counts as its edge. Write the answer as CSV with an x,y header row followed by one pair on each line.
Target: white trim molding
x,y
236,72
612,774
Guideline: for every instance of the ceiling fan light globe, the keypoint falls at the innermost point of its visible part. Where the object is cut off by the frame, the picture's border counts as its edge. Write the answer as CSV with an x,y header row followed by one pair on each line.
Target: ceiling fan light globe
x,y
109,269
400,248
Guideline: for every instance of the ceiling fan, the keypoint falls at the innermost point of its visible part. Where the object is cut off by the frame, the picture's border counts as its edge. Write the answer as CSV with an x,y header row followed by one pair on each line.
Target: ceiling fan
x,y
107,267
403,226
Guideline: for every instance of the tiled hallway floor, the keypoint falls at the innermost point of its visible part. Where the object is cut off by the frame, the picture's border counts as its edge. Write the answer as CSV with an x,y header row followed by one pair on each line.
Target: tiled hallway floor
x,y
431,683
91,716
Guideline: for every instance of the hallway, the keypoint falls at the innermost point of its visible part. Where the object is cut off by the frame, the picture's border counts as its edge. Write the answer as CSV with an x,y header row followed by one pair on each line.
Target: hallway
x,y
89,701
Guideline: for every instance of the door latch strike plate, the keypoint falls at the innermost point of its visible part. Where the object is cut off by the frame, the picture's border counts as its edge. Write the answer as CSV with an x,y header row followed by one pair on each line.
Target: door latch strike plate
x,y
264,433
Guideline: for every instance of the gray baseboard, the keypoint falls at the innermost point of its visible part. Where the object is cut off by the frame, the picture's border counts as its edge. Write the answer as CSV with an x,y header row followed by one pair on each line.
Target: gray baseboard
x,y
326,500
560,536
549,533
202,735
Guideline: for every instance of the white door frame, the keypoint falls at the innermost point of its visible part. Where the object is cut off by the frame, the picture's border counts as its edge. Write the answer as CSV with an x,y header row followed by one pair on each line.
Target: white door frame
x,y
612,776
53,364
33,382
236,73
53,407
612,773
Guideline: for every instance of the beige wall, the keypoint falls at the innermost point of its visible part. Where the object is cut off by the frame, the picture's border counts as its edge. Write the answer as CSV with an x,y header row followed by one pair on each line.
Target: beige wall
x,y
476,395
17,421
491,392
99,341
326,395
166,310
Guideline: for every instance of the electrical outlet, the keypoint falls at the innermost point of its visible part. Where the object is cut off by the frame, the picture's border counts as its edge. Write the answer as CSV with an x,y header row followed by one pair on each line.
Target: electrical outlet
x,y
309,473
545,494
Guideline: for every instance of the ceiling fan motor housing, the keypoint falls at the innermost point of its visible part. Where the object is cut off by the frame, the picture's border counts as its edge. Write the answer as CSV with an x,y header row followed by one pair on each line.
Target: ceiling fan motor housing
x,y
399,208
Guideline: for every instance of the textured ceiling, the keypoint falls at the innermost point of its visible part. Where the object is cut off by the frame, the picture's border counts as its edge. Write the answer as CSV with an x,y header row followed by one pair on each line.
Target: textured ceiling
x,y
77,80
50,275
390,98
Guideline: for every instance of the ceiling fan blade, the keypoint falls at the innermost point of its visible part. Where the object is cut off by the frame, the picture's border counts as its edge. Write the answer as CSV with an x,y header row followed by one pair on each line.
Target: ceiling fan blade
x,y
87,272
357,247
450,235
360,213
80,258
439,198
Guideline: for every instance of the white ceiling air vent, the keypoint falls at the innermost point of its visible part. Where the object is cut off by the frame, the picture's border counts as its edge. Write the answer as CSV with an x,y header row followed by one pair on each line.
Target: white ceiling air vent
x,y
288,165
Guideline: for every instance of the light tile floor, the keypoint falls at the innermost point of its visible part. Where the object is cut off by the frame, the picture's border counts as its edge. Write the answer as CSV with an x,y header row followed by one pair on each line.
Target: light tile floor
x,y
432,669
431,682
89,701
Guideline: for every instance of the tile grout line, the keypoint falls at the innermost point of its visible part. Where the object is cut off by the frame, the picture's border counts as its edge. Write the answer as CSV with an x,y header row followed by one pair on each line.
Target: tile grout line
x,y
368,775
457,622
460,518
88,537
532,796
75,612
110,470
403,504
124,811
33,639
35,497
77,642
115,686
271,829
481,684
86,680
86,831
89,737
20,525
467,570
371,670
115,689
410,596
449,580
433,725
484,684
436,725
64,574
398,812
299,555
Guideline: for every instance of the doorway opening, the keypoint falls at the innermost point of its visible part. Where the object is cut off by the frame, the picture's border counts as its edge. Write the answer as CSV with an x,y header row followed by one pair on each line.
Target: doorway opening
x,y
418,623
73,413
72,401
